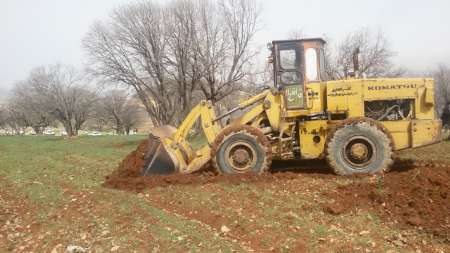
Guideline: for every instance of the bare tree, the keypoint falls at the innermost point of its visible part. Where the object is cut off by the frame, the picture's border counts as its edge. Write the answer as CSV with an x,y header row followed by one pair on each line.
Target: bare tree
x,y
3,115
26,103
226,31
15,120
166,53
442,82
130,116
182,59
296,34
374,58
119,108
131,48
61,92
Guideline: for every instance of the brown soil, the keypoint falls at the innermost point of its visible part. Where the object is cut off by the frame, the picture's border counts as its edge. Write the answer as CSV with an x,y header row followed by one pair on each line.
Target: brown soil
x,y
19,228
413,195
128,175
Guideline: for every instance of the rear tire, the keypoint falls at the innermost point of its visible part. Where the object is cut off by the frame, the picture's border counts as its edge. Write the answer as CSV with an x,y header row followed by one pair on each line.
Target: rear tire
x,y
241,149
359,147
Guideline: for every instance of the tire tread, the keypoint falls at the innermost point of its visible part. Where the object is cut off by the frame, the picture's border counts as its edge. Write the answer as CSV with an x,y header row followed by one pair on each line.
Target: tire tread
x,y
371,125
254,132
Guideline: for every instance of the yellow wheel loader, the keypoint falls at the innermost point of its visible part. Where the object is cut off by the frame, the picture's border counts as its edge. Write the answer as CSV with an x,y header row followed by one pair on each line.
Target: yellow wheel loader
x,y
356,124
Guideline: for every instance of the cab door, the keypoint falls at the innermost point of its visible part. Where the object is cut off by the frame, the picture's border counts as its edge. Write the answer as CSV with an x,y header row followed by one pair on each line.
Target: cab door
x,y
289,73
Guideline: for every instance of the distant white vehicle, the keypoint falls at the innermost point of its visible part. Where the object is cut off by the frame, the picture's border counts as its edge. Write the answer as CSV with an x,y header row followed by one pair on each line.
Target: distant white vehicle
x,y
49,132
95,133
61,133
82,132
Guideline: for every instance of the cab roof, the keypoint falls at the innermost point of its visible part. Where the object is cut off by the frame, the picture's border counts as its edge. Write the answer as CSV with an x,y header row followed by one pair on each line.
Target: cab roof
x,y
301,40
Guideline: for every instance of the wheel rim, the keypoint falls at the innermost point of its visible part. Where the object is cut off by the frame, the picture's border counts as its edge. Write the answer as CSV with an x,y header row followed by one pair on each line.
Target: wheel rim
x,y
359,152
241,156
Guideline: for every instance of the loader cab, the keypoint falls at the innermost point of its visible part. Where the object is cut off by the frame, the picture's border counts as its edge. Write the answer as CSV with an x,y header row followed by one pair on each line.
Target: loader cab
x,y
296,64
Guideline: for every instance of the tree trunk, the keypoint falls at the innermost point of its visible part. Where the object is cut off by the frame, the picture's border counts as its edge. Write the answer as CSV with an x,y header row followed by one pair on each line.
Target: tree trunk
x,y
38,130
78,125
119,126
69,129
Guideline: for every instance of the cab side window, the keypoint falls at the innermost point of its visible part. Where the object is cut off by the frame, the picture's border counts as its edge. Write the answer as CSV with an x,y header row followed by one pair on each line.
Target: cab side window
x,y
311,65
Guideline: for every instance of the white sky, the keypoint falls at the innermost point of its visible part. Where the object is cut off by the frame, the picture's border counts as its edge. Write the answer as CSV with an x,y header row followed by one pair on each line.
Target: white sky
x,y
42,32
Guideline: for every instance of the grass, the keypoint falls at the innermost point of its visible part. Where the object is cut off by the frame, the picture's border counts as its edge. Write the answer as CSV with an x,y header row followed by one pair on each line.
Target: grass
x,y
62,178
197,141
52,196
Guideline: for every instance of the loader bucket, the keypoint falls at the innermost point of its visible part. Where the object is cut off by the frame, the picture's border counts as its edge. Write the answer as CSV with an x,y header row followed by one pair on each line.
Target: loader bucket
x,y
159,160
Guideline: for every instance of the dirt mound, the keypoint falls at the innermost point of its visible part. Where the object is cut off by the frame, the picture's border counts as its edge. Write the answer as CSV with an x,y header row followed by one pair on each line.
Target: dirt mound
x,y
128,175
417,197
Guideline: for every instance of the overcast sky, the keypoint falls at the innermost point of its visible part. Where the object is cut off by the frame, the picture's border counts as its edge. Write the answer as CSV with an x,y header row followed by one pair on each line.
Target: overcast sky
x,y
42,32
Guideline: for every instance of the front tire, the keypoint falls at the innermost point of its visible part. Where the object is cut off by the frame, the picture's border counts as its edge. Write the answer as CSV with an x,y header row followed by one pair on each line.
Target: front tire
x,y
241,149
359,147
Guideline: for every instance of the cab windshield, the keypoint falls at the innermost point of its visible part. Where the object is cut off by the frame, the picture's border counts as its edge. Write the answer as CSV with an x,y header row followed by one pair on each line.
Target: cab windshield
x,y
289,64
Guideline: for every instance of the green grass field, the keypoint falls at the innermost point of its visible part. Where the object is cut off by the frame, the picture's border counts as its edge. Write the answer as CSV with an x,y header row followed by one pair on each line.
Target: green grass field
x,y
51,197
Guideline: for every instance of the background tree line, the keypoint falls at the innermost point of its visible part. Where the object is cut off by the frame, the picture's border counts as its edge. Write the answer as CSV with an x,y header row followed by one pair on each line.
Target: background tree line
x,y
171,55
61,95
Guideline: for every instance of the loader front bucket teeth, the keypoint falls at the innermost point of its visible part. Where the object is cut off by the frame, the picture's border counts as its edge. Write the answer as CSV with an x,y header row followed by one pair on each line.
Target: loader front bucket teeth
x,y
159,160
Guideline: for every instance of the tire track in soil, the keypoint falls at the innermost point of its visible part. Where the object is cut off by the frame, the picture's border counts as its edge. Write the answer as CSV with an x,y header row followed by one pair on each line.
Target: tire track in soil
x,y
87,206
205,219
213,222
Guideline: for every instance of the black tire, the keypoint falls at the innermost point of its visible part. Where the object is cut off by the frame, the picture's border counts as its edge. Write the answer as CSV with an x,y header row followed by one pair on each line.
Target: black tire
x,y
241,149
359,147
